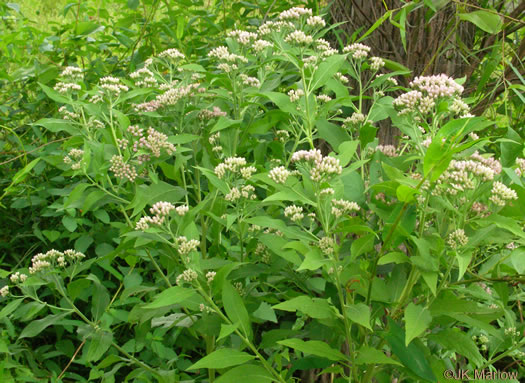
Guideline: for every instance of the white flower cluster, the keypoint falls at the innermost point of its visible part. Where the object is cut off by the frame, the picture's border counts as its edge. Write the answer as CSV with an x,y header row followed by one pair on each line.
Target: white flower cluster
x,y
262,252
160,211
74,158
279,175
250,81
144,77
315,21
376,63
154,142
295,13
67,115
356,119
460,108
387,150
235,165
173,95
246,191
327,192
243,37
324,167
214,141
223,54
457,239
66,87
112,86
72,72
357,51
341,77
426,91
43,261
501,194
274,27
490,162
210,275
299,37
260,45
188,276
324,98
341,207
182,210
4,291
283,136
325,48
185,246
295,94
18,277
172,53
295,213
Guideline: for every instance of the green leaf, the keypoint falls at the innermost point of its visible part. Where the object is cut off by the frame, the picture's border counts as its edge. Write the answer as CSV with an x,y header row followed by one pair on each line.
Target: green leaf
x,y
265,312
223,123
313,260
53,95
362,245
326,70
10,307
367,134
331,133
282,101
484,20
235,309
222,358
406,193
360,314
37,326
227,329
69,223
413,357
313,307
100,343
170,296
417,320
436,159
457,341
153,193
517,258
52,235
374,26
246,373
346,151
314,347
369,355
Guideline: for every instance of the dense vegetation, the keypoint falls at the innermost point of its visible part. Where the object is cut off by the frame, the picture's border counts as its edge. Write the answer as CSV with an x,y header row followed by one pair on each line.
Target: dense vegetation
x,y
196,192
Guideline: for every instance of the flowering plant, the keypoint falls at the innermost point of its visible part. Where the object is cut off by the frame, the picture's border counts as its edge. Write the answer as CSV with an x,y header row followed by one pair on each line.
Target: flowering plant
x,y
257,229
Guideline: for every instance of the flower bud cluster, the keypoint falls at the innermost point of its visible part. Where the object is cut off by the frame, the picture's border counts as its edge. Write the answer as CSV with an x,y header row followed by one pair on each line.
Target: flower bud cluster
x,y
299,37
323,167
457,239
122,169
295,94
18,277
295,213
206,114
341,207
243,37
72,73
250,81
223,54
172,53
174,94
67,115
501,194
341,77
154,142
186,246
188,276
260,45
112,86
262,251
210,275
426,91
279,175
355,119
214,140
324,98
357,51
144,77
160,211
315,21
235,165
74,158
327,245
460,108
387,150
295,13
246,192
66,87
52,258
376,63
274,26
